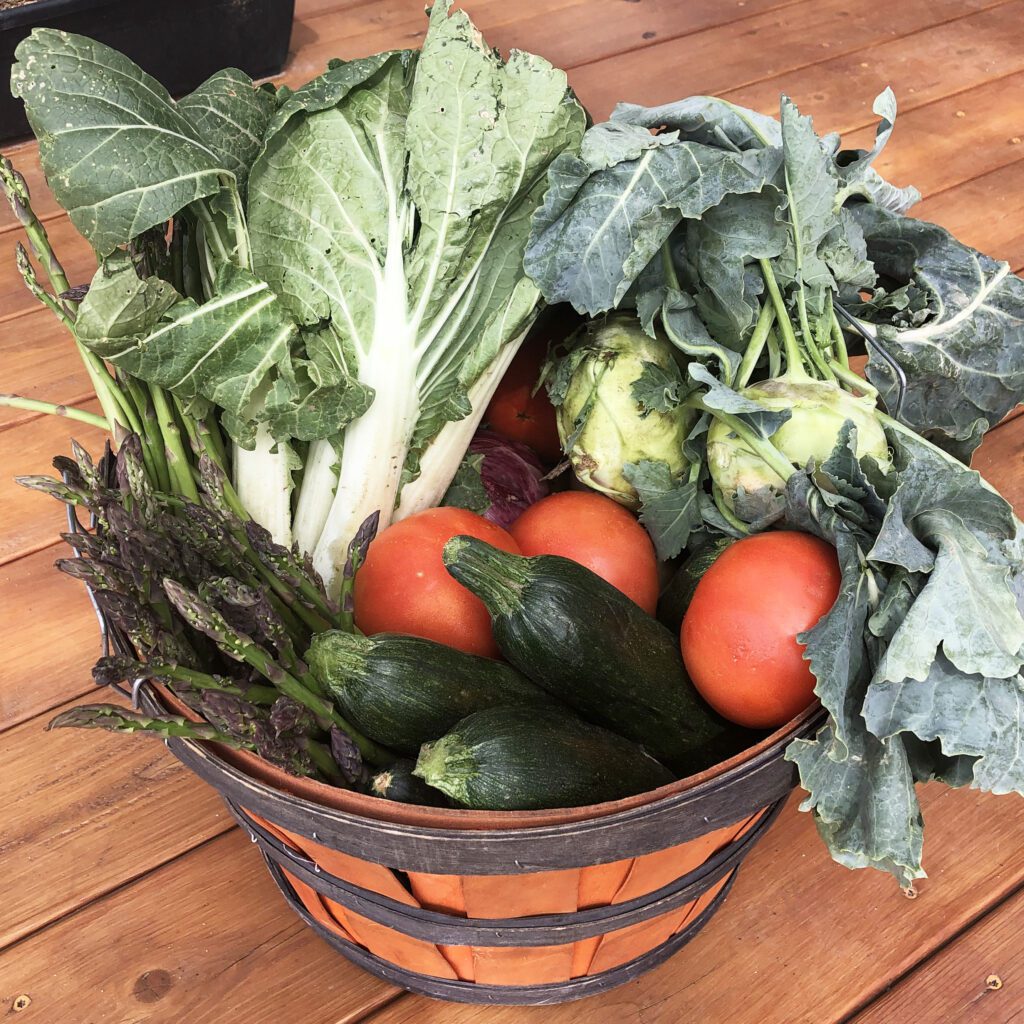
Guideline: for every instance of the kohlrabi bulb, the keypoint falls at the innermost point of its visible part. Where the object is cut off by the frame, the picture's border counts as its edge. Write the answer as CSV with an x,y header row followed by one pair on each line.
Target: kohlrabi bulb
x,y
819,410
616,430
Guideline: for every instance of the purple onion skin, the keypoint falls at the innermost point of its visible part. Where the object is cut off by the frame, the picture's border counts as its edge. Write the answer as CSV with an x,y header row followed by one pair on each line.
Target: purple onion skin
x,y
512,476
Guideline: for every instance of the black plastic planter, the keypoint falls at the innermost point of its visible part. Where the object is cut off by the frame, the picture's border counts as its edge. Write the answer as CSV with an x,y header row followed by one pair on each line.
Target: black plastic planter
x,y
179,42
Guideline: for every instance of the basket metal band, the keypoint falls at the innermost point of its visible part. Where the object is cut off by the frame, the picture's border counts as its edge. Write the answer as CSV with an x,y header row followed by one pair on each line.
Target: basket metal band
x,y
509,995
537,930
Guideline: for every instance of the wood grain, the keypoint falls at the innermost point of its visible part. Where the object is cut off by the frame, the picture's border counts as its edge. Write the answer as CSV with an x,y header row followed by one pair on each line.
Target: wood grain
x,y
122,804
566,32
753,67
977,978
31,520
204,940
38,601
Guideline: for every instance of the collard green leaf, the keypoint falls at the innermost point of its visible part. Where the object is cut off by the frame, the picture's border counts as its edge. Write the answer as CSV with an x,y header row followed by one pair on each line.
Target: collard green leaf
x,y
963,364
230,115
970,715
119,155
119,304
670,507
608,211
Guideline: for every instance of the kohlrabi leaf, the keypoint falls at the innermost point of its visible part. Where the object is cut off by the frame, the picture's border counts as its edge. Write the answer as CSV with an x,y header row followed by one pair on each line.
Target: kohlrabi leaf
x,y
609,210
724,399
865,805
118,153
669,506
969,715
657,389
963,365
859,177
708,120
230,115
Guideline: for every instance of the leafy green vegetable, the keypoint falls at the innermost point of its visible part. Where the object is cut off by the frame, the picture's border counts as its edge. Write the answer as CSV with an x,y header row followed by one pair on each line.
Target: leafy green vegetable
x,y
963,363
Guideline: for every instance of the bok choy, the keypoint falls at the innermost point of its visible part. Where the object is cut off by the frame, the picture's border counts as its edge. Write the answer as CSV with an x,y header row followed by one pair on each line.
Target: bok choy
x,y
343,286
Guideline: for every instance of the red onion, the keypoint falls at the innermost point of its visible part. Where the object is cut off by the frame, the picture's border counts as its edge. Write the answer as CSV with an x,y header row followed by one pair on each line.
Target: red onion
x,y
512,476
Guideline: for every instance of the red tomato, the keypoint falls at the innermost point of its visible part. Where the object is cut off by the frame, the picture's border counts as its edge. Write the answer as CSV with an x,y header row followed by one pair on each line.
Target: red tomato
x,y
739,634
403,586
596,532
516,414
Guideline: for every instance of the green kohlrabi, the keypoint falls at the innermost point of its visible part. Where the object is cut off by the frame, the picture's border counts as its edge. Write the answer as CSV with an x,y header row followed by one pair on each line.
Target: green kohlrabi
x,y
618,396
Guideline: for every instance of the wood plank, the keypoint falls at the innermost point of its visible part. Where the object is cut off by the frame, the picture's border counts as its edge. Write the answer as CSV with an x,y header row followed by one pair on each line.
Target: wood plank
x,y
39,360
205,939
32,521
566,32
71,249
976,978
932,63
40,604
761,957
939,145
986,212
122,804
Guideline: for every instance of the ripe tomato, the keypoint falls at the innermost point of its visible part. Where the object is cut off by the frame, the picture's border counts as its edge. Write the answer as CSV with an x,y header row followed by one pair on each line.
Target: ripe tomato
x,y
596,532
739,634
403,586
516,414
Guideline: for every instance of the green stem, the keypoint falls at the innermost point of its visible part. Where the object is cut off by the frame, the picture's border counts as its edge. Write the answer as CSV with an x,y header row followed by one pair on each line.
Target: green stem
x,y
255,694
727,513
774,355
35,405
794,363
178,467
817,359
839,341
755,346
852,380
761,446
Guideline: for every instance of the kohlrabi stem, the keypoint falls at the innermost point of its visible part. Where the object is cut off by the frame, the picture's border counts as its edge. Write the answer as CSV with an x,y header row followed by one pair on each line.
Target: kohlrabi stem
x,y
727,513
839,340
755,346
774,355
53,409
817,358
852,380
794,362
761,446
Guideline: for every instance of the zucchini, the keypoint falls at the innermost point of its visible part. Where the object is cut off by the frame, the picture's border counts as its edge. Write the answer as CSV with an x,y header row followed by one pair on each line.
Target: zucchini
x,y
402,690
678,593
521,759
397,782
590,646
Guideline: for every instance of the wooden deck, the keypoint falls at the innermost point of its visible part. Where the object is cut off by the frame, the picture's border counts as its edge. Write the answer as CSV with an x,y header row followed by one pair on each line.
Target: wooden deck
x,y
126,893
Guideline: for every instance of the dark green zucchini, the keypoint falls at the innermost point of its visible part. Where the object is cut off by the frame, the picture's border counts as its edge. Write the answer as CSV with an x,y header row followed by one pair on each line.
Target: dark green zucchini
x,y
402,690
507,759
677,595
397,782
587,644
